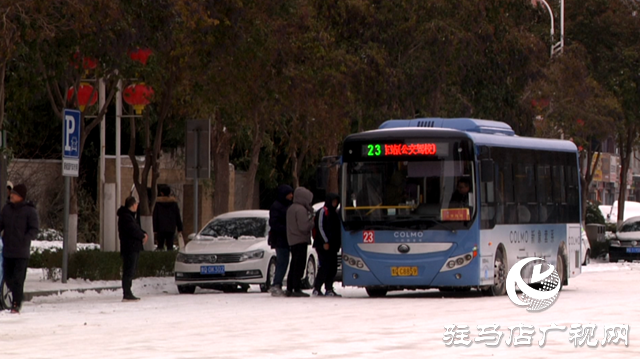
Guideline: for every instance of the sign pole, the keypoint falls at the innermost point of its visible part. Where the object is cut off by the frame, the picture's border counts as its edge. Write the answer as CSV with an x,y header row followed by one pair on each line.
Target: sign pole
x,y
65,242
70,168
198,163
195,188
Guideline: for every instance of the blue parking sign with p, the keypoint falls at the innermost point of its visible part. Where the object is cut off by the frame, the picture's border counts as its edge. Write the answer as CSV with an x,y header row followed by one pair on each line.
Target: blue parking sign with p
x,y
71,143
71,140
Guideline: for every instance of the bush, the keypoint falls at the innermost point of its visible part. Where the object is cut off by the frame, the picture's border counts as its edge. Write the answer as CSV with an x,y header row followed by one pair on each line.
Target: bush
x,y
97,265
50,235
593,215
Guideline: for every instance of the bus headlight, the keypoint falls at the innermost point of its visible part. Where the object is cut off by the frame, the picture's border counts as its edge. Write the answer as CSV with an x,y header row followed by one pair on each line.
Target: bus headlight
x,y
457,262
354,262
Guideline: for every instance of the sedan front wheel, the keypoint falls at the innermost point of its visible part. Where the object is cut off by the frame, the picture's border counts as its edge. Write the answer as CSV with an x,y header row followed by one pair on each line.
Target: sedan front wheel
x,y
308,281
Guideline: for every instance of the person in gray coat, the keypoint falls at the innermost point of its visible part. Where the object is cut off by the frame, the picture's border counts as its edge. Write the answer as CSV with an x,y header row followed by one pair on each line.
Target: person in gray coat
x,y
299,226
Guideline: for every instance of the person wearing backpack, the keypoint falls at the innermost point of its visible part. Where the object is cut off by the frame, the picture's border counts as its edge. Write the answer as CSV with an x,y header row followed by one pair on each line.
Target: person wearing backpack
x,y
327,243
299,227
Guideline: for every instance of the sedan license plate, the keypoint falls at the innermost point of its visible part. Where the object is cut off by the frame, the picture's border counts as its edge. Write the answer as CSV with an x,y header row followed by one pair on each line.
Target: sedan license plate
x,y
633,250
211,269
404,271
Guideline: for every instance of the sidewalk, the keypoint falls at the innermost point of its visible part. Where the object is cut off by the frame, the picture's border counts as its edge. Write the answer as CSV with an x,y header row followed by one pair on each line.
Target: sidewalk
x,y
36,285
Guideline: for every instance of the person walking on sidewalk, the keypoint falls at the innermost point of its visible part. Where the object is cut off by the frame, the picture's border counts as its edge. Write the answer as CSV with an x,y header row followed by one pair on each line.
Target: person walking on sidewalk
x,y
278,235
327,244
299,225
132,239
19,226
166,219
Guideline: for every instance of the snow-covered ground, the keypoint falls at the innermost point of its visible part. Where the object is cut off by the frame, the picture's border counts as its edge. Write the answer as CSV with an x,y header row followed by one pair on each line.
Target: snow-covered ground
x,y
212,324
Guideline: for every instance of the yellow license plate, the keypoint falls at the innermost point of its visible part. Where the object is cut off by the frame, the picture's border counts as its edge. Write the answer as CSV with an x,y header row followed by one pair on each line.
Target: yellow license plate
x,y
404,271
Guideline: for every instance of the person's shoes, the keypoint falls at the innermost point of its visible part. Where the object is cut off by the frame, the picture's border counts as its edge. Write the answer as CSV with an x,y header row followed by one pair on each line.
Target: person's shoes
x,y
299,293
317,293
276,291
331,293
15,308
130,298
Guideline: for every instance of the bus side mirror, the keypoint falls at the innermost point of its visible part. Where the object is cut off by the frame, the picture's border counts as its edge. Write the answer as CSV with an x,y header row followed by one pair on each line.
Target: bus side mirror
x,y
486,170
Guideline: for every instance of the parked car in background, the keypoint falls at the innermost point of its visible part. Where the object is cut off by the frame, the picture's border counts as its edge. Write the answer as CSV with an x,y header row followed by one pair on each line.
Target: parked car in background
x,y
5,294
230,253
626,245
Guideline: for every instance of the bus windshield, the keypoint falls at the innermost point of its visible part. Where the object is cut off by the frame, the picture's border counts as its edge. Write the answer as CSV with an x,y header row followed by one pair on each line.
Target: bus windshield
x,y
421,192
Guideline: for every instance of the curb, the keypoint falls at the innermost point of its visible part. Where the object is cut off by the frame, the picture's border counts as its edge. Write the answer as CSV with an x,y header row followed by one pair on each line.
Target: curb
x,y
29,295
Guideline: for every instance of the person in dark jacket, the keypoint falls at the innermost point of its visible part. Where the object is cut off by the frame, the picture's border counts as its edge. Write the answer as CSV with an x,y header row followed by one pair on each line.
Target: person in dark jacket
x,y
278,235
132,239
19,226
299,225
166,219
460,198
327,244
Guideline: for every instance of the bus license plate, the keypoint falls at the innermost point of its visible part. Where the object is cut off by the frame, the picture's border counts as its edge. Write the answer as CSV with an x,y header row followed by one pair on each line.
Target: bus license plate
x,y
404,271
633,250
211,269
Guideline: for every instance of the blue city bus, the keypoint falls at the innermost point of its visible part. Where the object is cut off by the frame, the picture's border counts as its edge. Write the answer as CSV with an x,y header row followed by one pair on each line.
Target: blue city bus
x,y
407,223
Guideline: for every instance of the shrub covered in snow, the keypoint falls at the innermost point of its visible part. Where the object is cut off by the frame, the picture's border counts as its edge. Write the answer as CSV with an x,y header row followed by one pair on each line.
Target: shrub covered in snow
x,y
49,234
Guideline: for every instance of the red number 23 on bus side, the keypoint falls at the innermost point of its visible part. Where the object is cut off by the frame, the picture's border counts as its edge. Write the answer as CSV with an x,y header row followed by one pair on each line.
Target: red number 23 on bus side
x,y
368,237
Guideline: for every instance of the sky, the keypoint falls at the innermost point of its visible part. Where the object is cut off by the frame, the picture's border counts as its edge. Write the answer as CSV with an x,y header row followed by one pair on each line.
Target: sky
x,y
408,324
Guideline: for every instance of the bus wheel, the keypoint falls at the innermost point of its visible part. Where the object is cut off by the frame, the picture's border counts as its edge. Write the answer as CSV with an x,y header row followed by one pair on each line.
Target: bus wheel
x,y
376,292
499,275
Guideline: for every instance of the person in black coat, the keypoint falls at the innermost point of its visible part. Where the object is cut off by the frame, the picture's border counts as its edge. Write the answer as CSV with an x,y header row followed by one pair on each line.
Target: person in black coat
x,y
460,198
166,219
278,235
327,244
132,239
19,224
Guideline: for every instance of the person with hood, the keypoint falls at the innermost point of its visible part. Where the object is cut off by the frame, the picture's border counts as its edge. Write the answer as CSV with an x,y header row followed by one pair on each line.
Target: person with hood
x,y
299,226
132,238
327,244
166,219
19,226
278,235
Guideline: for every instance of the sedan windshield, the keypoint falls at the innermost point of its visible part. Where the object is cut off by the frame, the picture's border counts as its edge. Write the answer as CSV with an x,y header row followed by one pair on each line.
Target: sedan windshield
x,y
630,227
235,228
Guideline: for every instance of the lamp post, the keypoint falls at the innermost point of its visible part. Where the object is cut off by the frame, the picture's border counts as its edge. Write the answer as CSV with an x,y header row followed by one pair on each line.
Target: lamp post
x,y
556,48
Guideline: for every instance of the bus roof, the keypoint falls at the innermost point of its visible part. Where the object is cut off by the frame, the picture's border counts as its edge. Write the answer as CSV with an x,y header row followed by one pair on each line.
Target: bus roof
x,y
482,132
461,124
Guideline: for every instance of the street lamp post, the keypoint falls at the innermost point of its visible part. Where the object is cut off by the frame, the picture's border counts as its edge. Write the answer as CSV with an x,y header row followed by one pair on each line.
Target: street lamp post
x,y
556,48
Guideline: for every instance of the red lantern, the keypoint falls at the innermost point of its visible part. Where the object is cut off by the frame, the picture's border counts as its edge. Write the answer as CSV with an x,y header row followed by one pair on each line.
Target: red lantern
x,y
87,62
86,95
140,55
138,96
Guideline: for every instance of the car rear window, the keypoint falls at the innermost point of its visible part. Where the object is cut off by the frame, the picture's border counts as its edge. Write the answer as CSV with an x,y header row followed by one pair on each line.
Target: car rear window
x,y
236,228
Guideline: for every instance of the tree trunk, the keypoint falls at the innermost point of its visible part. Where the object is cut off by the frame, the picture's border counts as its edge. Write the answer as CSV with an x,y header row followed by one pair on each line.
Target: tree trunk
x,y
294,169
221,150
591,161
626,151
253,165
